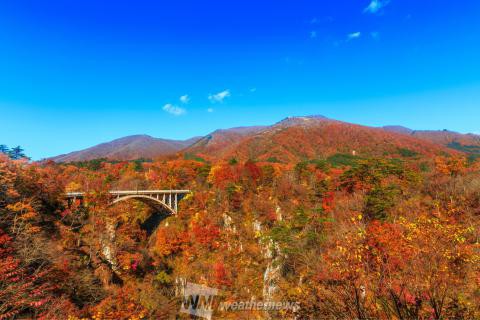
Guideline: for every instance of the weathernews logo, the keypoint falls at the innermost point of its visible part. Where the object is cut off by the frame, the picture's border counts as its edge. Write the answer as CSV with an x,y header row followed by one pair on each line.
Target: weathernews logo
x,y
200,301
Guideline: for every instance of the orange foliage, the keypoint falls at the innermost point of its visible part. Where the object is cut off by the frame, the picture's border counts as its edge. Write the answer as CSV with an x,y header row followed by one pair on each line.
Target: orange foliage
x,y
206,233
169,241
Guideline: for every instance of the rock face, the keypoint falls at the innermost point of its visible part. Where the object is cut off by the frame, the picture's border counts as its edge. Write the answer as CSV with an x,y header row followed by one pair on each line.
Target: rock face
x,y
272,272
108,245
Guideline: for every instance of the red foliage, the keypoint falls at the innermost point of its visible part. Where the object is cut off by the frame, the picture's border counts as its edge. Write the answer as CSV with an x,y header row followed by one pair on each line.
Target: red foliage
x,y
206,233
224,174
21,291
386,241
220,274
328,201
252,171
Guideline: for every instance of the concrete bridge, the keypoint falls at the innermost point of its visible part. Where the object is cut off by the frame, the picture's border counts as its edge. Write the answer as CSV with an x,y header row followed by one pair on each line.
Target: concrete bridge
x,y
164,203
160,200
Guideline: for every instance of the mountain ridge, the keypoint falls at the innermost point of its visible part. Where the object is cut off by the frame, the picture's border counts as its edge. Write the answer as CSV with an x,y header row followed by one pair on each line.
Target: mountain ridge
x,y
319,135
127,148
299,138
468,142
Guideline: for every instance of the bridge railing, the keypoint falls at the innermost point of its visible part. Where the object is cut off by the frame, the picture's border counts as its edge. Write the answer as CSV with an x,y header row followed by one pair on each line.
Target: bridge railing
x,y
167,198
123,192
131,192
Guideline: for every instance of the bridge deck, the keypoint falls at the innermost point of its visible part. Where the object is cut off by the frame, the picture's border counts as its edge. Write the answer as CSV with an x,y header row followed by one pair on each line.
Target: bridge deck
x,y
131,192
167,199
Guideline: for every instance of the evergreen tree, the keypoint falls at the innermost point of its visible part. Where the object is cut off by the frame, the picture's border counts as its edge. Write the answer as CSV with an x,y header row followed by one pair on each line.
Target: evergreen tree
x,y
4,149
17,153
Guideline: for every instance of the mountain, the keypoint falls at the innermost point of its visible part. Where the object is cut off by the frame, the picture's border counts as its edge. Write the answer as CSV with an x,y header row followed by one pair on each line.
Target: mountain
x,y
292,139
301,121
469,142
128,148
297,138
220,141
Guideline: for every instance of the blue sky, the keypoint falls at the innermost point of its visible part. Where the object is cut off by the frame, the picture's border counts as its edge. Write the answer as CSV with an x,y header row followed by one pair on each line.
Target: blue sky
x,y
77,73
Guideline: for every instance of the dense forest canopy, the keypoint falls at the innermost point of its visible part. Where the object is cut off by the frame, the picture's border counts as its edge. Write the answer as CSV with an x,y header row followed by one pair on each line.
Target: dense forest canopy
x,y
345,236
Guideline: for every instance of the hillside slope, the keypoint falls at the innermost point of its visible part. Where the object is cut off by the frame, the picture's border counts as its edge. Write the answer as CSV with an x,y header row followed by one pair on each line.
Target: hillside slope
x,y
222,139
469,143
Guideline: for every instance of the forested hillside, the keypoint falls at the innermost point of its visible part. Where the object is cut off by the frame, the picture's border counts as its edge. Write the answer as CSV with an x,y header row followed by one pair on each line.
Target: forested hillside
x,y
298,138
289,140
468,143
390,232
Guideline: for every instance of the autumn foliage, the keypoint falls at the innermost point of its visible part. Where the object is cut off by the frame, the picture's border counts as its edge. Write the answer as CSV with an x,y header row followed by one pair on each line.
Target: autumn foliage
x,y
373,235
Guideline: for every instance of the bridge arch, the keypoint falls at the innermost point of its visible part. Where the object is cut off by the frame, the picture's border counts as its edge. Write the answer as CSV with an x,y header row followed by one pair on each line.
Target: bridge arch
x,y
153,202
164,202
161,210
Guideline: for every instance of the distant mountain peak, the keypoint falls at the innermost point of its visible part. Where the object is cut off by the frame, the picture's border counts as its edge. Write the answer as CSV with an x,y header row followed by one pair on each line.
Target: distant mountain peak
x,y
128,148
301,120
307,118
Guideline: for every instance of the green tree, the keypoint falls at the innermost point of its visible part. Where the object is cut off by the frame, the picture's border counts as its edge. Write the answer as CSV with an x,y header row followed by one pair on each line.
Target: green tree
x,y
379,201
14,153
4,149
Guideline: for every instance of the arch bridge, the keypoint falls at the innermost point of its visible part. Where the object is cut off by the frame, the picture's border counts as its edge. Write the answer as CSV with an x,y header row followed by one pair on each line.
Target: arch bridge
x,y
160,200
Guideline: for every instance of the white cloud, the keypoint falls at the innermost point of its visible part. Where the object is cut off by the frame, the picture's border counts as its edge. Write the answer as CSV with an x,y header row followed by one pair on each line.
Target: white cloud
x,y
176,111
313,34
253,89
185,99
376,5
210,110
354,35
219,97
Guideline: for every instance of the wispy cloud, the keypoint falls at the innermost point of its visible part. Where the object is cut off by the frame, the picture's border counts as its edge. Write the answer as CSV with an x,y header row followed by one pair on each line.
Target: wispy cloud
x,y
354,35
219,97
210,110
185,99
313,34
375,6
175,110
253,90
375,35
